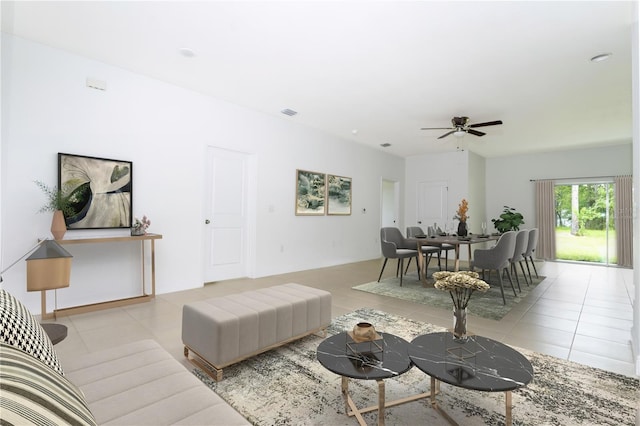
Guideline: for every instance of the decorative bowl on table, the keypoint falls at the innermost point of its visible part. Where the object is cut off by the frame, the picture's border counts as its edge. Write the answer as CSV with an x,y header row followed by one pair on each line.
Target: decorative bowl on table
x,y
464,238
364,332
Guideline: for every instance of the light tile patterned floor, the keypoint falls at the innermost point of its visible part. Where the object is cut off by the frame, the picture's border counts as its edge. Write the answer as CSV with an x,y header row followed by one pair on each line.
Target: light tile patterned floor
x,y
579,312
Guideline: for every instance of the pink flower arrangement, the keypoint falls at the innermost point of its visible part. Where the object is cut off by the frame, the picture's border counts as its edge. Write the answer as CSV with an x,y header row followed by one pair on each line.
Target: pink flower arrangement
x,y
141,226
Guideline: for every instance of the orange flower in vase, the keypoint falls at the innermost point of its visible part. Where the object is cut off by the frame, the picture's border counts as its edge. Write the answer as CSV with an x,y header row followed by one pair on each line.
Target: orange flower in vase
x,y
461,215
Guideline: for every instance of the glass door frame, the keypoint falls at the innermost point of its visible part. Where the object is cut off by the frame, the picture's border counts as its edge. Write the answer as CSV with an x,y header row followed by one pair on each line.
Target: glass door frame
x,y
609,182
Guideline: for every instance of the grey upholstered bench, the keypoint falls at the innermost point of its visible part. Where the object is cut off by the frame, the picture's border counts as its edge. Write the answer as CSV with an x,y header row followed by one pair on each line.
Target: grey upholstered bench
x,y
224,330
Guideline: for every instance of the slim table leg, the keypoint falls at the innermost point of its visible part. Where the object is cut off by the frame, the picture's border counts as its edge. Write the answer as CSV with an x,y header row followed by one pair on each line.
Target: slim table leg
x,y
144,280
345,393
381,402
350,406
435,389
433,392
153,268
507,401
421,265
456,264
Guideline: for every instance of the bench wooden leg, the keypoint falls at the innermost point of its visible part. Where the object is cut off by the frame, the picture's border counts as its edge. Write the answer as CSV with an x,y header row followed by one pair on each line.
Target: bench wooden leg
x,y
212,371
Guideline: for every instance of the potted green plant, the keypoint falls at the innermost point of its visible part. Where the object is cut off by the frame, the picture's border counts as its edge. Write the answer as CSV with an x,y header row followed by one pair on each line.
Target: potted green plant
x,y
59,204
510,220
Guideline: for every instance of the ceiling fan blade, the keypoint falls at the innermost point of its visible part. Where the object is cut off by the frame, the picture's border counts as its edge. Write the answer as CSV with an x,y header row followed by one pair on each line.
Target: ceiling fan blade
x,y
447,134
475,132
488,123
436,128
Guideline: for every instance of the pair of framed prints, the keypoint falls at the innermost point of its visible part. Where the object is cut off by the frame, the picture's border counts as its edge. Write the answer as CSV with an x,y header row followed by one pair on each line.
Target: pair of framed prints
x,y
318,194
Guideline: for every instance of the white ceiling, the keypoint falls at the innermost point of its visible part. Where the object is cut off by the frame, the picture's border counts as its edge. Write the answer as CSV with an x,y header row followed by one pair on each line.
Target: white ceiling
x,y
375,72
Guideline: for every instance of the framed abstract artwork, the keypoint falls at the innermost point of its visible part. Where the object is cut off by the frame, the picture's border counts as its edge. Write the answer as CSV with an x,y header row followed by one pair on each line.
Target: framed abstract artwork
x,y
338,195
100,189
310,193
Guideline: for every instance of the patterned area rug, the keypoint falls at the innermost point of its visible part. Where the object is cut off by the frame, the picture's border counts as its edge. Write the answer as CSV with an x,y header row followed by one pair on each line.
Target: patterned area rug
x,y
288,386
487,305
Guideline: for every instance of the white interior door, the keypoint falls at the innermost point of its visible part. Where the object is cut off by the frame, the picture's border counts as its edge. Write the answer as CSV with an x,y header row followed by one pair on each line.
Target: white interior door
x,y
226,215
390,204
432,204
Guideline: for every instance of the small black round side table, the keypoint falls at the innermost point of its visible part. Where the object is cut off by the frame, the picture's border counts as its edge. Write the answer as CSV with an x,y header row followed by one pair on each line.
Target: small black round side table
x,y
480,364
384,359
56,332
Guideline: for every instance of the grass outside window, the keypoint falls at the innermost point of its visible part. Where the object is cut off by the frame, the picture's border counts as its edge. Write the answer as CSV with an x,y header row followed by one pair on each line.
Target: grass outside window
x,y
589,247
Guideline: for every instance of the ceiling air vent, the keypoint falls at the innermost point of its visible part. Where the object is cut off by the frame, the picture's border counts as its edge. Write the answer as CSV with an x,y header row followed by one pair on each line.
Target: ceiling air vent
x,y
289,112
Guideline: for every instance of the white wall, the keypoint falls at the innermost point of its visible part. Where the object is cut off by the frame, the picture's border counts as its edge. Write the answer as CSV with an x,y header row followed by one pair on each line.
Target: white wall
x,y
449,167
477,193
509,183
635,331
164,130
455,169
464,173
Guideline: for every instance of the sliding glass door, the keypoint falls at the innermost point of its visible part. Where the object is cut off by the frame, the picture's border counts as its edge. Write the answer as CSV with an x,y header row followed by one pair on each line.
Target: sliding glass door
x,y
585,225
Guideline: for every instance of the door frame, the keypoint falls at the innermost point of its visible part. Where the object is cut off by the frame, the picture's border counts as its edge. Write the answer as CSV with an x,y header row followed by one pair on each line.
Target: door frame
x,y
386,201
608,219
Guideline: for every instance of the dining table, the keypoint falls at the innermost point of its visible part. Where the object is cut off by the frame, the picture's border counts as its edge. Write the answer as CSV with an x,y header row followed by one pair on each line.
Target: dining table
x,y
454,240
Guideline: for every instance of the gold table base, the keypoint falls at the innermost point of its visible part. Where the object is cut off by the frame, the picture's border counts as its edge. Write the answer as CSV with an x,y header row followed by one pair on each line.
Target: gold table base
x,y
352,410
435,389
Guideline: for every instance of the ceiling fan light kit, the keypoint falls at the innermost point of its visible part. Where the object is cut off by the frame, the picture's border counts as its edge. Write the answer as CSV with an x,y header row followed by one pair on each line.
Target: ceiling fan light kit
x,y
461,126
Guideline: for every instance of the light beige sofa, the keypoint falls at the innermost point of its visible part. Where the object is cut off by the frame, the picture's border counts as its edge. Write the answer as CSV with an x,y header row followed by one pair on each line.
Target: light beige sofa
x,y
134,384
142,384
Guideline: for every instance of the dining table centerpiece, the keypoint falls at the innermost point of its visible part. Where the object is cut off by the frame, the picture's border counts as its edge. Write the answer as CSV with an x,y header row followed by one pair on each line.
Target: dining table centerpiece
x,y
461,215
460,286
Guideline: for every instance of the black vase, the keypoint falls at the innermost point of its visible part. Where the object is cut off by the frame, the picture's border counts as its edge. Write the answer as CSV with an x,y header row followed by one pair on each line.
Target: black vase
x,y
462,229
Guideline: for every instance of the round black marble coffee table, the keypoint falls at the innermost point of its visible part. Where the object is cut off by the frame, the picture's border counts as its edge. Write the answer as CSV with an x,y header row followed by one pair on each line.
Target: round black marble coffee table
x,y
377,360
480,363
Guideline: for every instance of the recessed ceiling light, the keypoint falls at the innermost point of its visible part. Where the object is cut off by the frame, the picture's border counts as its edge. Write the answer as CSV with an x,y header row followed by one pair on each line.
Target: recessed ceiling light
x,y
289,112
601,57
186,52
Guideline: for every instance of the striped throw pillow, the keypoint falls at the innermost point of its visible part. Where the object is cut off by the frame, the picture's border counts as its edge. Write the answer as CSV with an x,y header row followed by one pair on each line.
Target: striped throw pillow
x,y
33,394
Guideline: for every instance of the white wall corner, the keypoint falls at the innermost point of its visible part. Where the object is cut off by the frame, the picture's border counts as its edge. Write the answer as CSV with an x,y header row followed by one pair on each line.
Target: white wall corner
x,y
635,61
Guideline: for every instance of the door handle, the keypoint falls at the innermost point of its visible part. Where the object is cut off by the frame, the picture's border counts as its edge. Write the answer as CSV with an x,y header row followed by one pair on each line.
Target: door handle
x,y
207,221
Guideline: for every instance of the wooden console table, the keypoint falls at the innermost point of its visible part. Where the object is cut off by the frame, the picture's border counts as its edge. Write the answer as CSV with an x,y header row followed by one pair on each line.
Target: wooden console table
x,y
144,297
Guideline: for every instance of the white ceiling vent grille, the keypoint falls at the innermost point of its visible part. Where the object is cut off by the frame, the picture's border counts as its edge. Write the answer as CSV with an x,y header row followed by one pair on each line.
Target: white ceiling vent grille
x,y
289,112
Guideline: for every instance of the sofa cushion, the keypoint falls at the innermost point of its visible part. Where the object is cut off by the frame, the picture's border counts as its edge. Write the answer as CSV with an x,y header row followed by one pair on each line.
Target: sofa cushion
x,y
22,330
33,393
140,383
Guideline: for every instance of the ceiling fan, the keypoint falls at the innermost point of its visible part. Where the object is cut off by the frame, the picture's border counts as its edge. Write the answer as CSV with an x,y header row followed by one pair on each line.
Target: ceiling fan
x,y
461,126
